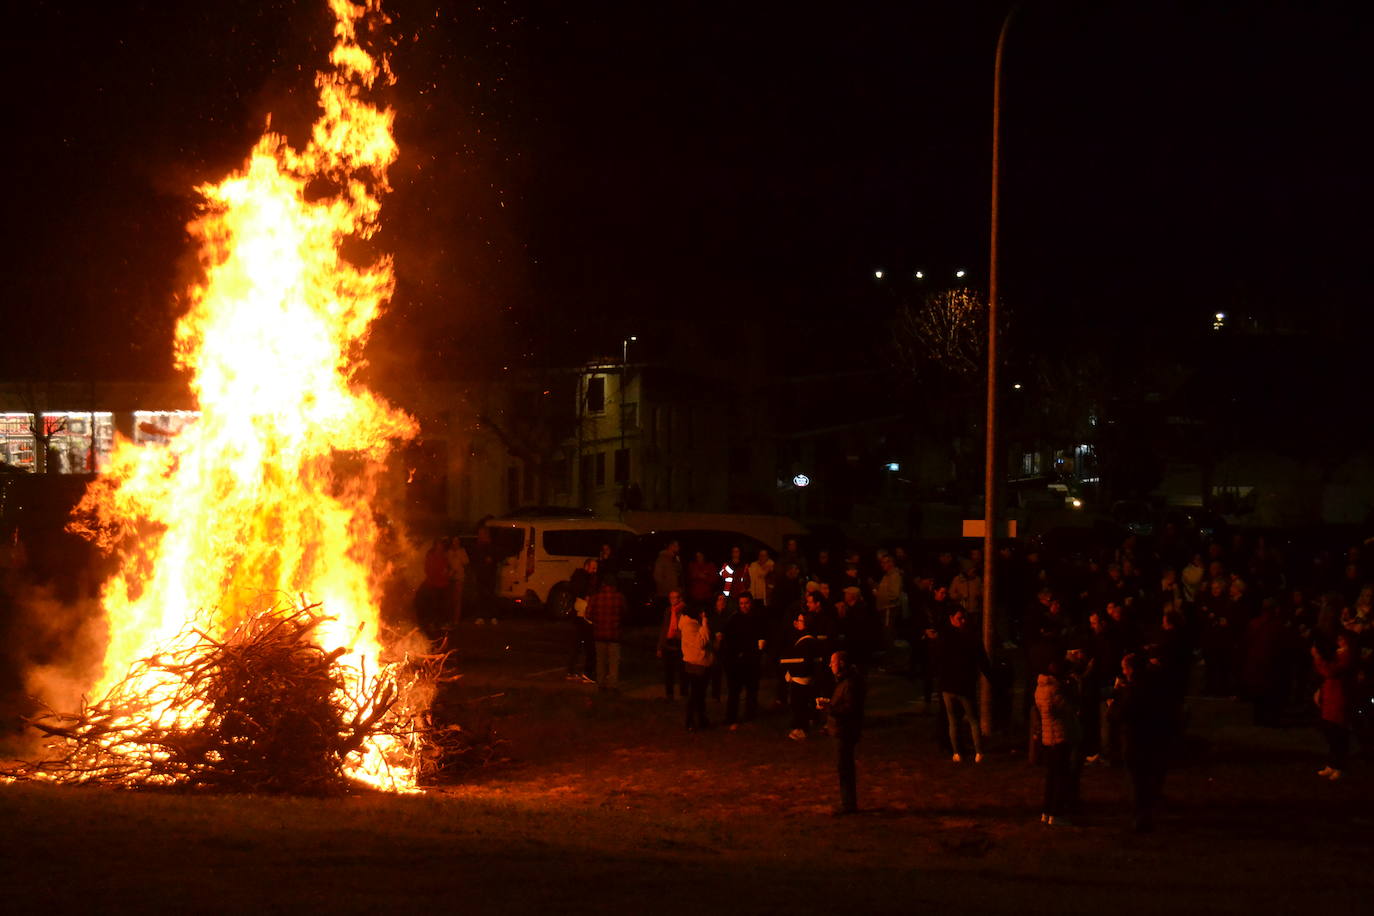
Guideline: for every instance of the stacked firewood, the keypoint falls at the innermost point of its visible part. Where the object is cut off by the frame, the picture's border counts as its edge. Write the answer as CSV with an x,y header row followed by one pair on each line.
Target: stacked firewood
x,y
264,709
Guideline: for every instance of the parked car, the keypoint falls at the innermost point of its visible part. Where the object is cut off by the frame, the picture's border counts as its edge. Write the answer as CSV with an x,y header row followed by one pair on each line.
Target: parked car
x,y
538,555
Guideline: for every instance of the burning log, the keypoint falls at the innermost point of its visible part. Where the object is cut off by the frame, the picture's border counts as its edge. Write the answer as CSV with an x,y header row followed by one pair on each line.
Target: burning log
x,y
265,709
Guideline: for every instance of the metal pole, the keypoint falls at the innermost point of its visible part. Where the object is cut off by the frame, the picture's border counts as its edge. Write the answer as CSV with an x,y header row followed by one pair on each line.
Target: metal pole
x,y
990,462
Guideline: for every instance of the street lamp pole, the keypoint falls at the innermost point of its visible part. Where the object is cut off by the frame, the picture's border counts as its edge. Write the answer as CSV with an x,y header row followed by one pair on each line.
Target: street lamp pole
x,y
624,382
990,462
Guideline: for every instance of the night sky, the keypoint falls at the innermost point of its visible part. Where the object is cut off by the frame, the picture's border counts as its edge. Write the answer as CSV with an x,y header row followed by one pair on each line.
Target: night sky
x,y
570,169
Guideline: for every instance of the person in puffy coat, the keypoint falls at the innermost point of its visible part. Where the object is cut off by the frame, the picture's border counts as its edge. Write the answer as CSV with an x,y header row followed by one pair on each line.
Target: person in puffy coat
x,y
697,655
1059,738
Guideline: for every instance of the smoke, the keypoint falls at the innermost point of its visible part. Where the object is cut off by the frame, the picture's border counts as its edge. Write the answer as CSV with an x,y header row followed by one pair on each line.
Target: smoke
x,y
52,652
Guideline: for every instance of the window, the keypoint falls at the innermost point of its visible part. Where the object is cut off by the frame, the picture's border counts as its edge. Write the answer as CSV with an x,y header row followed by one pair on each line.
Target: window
x,y
600,469
622,465
596,394
529,484
582,542
629,415
649,428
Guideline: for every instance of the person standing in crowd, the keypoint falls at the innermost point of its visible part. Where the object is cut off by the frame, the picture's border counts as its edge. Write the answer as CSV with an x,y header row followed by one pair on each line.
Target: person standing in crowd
x,y
1104,662
457,576
670,645
799,668
844,711
959,657
1142,712
1219,637
1334,698
826,569
433,600
967,591
697,655
734,574
856,628
702,580
1192,578
1128,632
607,562
787,591
717,615
1264,674
606,611
791,554
485,569
581,584
742,644
1358,617
1058,737
667,573
887,595
761,580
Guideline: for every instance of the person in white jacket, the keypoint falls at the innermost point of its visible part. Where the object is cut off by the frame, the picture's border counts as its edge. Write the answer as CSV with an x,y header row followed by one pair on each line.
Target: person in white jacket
x,y
697,654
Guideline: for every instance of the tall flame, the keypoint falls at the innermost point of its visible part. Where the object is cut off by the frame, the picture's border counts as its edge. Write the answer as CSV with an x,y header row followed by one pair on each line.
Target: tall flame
x,y
268,497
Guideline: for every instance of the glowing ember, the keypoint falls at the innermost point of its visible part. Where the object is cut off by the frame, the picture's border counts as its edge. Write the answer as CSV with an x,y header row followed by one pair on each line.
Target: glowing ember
x,y
268,498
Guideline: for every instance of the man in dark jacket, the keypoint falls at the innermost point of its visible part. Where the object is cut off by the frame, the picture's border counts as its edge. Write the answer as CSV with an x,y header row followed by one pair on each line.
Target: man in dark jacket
x,y
959,657
845,721
741,649
857,629
1142,709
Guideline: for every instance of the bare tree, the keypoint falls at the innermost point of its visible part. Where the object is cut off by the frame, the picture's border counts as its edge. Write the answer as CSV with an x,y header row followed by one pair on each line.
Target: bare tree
x,y
945,334
42,428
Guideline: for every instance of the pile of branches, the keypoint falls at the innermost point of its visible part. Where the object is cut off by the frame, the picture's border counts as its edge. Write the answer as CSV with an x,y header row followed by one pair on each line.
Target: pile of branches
x,y
265,709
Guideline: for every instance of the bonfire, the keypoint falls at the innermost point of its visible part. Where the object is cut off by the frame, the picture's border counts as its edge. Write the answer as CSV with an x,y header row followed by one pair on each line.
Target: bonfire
x,y
273,491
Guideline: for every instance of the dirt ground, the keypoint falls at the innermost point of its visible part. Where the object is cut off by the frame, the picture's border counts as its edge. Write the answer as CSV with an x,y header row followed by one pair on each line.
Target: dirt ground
x,y
606,804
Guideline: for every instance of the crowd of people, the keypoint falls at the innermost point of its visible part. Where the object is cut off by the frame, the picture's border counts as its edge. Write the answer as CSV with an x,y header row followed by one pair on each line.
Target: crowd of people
x,y
1110,643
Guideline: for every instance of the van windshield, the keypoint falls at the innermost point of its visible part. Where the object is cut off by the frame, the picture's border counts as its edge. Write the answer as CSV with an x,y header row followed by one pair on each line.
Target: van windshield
x,y
583,542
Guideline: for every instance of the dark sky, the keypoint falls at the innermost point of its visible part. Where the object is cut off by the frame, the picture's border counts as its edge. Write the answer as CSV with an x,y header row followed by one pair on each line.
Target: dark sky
x,y
570,167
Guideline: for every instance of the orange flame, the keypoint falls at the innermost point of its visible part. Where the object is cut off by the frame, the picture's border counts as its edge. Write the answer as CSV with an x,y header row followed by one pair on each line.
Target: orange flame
x,y
269,494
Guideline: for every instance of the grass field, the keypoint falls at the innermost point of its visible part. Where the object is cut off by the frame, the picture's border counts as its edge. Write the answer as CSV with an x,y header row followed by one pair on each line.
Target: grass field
x,y
605,804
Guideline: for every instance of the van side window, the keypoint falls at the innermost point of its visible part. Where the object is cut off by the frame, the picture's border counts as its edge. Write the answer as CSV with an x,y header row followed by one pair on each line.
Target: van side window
x,y
581,542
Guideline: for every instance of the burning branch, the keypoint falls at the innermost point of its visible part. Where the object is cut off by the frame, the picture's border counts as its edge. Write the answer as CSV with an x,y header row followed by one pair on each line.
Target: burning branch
x,y
266,709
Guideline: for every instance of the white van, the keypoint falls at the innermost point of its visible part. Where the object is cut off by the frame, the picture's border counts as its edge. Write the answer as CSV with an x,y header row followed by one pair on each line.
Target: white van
x,y
538,555
772,530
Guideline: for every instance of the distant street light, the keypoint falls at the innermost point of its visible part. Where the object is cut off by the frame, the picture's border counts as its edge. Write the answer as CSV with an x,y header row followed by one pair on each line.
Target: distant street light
x,y
920,275
960,274
801,480
877,274
893,466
